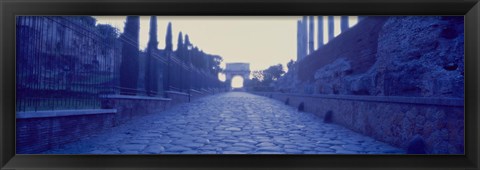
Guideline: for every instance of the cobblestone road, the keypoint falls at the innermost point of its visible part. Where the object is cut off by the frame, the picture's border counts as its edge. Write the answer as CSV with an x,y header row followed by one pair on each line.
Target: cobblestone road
x,y
229,123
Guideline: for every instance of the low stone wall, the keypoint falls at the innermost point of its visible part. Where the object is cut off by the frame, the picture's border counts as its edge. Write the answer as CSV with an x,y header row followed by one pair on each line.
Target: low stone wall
x,y
130,106
177,97
43,130
439,122
194,94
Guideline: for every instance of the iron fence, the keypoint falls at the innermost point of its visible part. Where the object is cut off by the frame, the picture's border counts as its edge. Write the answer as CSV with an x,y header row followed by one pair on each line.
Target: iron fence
x,y
62,63
70,63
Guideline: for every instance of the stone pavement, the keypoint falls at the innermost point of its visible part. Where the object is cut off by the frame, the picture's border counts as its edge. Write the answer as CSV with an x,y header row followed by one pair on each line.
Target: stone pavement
x,y
228,123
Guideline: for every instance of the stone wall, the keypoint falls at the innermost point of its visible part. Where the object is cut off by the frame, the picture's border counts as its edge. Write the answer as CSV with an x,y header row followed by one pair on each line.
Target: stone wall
x,y
419,56
439,122
194,94
177,97
129,107
40,131
44,130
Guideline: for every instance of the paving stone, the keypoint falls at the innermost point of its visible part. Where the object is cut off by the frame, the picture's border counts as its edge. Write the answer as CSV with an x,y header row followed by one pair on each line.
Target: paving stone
x,y
231,141
352,147
241,133
177,149
345,152
193,145
98,152
265,144
321,149
238,148
138,141
163,141
262,152
293,151
154,149
131,147
207,152
233,152
233,123
233,129
131,152
189,152
269,149
290,146
244,145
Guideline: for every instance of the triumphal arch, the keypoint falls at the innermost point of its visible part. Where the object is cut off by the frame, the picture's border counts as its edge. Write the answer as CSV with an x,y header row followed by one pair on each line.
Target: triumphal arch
x,y
237,69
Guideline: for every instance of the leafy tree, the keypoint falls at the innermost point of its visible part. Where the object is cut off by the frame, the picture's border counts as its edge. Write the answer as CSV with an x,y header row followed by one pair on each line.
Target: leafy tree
x,y
257,75
262,79
215,61
110,32
272,73
130,64
291,65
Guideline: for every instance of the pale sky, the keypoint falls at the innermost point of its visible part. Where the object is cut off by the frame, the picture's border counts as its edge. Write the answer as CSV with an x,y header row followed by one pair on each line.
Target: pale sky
x,y
261,41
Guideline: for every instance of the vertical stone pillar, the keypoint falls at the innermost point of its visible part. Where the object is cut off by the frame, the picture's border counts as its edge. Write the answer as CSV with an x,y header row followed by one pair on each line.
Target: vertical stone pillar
x,y
331,24
320,32
310,35
343,24
299,40
304,36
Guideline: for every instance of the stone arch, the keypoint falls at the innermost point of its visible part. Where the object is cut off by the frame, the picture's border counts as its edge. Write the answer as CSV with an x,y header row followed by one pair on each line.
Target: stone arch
x,y
237,69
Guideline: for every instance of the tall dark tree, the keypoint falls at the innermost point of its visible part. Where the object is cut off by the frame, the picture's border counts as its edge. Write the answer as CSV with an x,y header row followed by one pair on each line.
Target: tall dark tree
x,y
151,75
168,70
187,41
130,64
187,47
194,56
180,48
168,38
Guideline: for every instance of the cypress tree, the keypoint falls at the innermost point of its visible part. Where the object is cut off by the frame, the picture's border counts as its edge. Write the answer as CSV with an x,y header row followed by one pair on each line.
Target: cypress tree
x,y
151,76
168,38
187,44
187,41
130,64
168,70
180,48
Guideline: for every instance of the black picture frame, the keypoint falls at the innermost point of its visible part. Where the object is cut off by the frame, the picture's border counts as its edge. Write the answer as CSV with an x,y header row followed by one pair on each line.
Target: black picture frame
x,y
10,8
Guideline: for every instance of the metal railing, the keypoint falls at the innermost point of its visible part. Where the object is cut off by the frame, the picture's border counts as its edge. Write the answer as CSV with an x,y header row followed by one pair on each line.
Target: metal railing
x,y
62,63
68,63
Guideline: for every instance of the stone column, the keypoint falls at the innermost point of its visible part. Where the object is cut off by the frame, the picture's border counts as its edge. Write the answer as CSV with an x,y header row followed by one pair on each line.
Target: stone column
x,y
304,37
320,32
343,24
331,24
299,40
310,35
